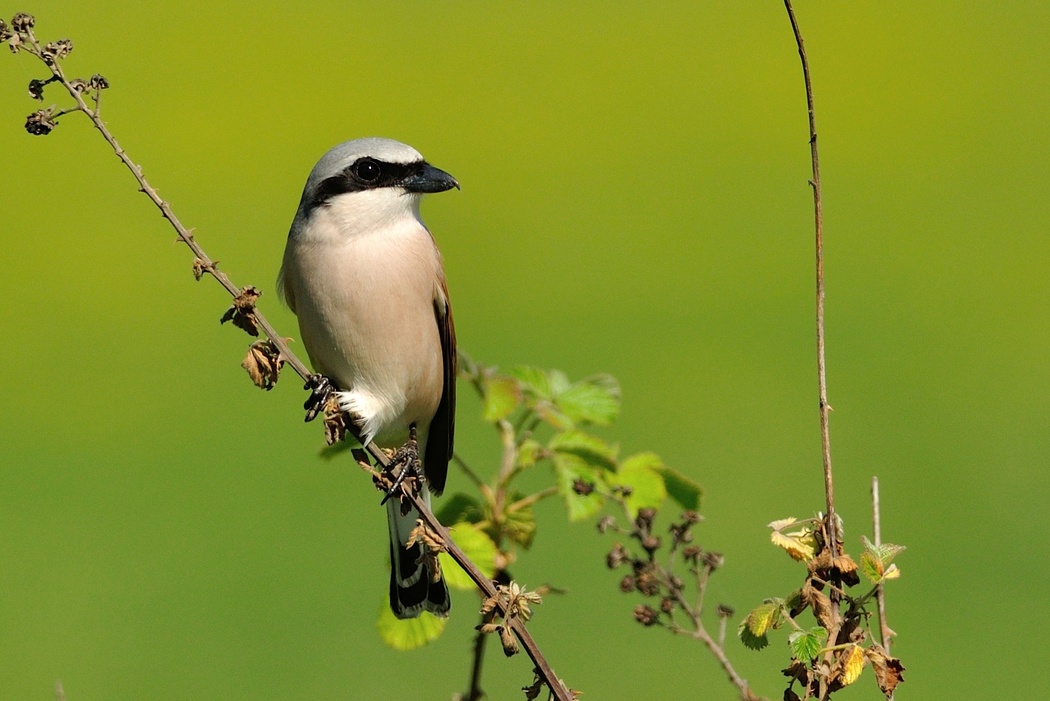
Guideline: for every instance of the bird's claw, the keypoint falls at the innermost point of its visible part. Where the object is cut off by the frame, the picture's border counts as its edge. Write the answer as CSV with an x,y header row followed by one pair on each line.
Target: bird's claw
x,y
407,458
321,389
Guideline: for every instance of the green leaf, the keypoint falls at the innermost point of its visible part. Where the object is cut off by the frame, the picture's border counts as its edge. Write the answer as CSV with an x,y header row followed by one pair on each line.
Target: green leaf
x,y
569,468
594,399
477,545
647,486
520,525
534,382
807,644
502,397
459,507
750,640
682,489
410,633
885,552
590,448
871,567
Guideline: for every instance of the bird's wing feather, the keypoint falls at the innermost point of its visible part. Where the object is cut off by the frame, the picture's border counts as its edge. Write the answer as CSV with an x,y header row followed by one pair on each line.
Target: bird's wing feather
x,y
443,425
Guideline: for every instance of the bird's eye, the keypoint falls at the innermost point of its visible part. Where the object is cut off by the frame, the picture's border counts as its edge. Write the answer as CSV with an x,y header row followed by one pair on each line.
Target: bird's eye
x,y
367,170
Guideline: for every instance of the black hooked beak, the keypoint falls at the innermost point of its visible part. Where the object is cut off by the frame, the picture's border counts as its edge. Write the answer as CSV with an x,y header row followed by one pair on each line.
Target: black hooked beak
x,y
429,179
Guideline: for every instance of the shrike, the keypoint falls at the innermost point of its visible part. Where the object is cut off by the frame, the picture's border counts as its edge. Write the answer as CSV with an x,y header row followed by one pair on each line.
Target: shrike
x,y
364,277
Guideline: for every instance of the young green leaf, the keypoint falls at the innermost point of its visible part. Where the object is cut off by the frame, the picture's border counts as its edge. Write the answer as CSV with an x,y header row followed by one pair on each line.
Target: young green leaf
x,y
477,546
684,490
502,397
580,485
594,399
871,567
534,382
410,633
591,449
647,486
520,525
807,644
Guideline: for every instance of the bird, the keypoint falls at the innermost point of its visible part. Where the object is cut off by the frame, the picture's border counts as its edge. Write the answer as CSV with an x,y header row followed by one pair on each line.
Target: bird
x,y
365,279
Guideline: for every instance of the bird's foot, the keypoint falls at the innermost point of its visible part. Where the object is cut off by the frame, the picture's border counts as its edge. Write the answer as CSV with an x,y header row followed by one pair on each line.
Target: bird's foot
x,y
321,388
407,458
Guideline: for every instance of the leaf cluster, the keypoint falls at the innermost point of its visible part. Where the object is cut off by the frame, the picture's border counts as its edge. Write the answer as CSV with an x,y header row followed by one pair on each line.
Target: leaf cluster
x,y
832,654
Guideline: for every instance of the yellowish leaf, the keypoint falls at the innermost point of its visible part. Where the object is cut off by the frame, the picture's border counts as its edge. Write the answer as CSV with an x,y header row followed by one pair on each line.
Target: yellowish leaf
x,y
800,548
852,661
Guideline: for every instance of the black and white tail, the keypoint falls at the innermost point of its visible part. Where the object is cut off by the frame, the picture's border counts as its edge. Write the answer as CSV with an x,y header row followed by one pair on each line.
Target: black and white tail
x,y
412,586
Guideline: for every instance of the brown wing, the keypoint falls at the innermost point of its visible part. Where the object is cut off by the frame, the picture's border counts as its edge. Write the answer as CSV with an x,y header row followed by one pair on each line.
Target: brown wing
x,y
443,425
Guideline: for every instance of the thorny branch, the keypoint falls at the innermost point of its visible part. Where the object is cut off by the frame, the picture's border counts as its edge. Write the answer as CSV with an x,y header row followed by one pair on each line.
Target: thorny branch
x,y
21,37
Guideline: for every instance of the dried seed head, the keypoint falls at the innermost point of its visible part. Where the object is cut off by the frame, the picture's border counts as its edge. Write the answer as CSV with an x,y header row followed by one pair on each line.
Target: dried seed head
x,y
676,582
22,22
36,89
617,556
79,84
645,615
644,520
56,50
651,544
692,553
691,517
725,611
714,560
98,82
41,122
5,32
627,584
667,604
605,523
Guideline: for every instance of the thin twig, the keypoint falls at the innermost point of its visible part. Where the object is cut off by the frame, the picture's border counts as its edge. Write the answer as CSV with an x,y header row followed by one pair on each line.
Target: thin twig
x,y
558,689
475,693
818,216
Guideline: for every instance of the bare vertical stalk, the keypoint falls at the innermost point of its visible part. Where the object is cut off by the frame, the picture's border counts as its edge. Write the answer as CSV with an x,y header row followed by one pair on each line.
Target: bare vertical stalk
x,y
885,634
818,216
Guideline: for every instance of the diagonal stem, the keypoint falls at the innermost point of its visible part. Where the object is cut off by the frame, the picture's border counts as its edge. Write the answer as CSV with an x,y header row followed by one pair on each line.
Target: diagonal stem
x,y
559,691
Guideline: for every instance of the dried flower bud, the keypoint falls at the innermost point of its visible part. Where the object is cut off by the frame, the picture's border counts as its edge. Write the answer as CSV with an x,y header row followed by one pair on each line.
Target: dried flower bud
x,y
646,516
676,582
605,523
691,517
680,532
582,487
692,553
714,560
23,22
667,604
647,584
627,584
41,122
645,615
651,544
36,89
98,82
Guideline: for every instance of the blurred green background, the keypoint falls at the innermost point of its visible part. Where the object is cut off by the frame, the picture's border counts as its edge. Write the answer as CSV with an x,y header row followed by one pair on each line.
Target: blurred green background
x,y
635,202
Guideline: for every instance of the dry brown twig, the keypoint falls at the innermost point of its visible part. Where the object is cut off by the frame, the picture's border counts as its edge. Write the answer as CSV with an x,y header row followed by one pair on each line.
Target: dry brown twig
x,y
264,358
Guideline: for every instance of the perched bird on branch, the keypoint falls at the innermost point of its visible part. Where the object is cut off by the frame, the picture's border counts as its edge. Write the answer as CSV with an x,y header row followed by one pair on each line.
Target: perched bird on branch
x,y
364,277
